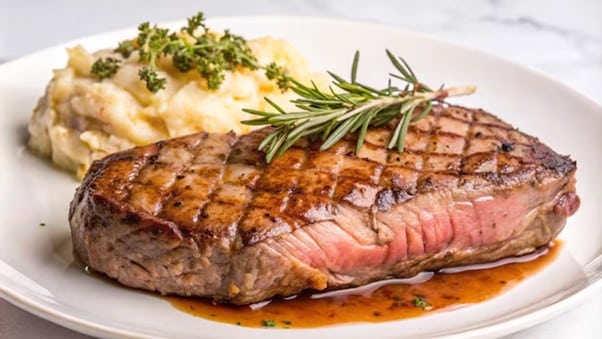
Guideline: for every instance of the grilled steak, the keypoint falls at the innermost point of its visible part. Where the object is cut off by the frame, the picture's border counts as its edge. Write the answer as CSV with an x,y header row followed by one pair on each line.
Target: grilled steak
x,y
204,215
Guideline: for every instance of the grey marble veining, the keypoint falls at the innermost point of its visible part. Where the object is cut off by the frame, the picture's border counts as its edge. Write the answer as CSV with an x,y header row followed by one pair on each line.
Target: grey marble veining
x,y
562,38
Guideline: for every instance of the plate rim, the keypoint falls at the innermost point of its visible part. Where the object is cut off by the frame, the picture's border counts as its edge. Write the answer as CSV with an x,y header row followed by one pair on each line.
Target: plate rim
x,y
512,325
338,20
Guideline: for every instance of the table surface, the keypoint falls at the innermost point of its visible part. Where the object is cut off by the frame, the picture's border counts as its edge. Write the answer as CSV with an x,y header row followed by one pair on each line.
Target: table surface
x,y
562,38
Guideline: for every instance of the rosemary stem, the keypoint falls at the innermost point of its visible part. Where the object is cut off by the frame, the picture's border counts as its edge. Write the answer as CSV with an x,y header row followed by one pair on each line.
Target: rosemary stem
x,y
353,109
385,101
449,92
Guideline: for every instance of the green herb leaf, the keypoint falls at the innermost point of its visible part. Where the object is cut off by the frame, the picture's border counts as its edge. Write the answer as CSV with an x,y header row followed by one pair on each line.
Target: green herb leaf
x,y
125,48
356,60
334,114
194,22
275,72
105,67
193,48
153,82
268,323
420,302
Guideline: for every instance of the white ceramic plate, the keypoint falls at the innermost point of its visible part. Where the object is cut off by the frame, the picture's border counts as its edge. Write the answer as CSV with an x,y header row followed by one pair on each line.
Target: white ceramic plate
x,y
37,271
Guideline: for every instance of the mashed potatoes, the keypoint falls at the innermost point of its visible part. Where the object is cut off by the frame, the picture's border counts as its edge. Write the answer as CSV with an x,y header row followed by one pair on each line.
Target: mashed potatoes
x,y
81,119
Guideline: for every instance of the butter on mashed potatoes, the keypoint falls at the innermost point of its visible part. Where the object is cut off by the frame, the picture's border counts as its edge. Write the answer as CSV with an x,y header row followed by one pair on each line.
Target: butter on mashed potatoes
x,y
81,119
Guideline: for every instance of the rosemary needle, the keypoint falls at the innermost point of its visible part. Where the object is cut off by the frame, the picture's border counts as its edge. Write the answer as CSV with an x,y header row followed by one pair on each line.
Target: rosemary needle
x,y
353,107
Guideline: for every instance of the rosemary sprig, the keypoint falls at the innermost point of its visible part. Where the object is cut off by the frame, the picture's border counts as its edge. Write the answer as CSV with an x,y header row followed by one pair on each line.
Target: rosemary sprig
x,y
194,47
353,107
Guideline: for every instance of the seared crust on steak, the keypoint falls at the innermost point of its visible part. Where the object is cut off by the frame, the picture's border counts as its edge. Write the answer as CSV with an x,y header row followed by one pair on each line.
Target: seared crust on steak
x,y
205,215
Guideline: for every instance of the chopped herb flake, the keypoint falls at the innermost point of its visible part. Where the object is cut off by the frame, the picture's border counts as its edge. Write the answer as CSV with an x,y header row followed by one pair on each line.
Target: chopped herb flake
x,y
268,323
420,302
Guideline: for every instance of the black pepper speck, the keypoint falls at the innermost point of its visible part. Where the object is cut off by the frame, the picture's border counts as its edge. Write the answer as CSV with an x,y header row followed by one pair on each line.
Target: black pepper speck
x,y
507,147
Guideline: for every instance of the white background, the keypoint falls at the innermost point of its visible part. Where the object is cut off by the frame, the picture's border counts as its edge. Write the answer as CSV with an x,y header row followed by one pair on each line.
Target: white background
x,y
560,37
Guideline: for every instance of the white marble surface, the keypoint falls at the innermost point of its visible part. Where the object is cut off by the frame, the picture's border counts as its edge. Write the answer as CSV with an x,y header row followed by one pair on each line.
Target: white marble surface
x,y
562,38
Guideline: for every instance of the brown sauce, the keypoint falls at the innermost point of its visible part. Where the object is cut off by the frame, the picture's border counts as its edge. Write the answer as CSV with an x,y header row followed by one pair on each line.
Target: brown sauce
x,y
393,300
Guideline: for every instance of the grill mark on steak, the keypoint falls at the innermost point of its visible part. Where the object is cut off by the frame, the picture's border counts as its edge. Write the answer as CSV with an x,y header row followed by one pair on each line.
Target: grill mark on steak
x,y
211,169
153,185
206,215
182,205
109,181
270,219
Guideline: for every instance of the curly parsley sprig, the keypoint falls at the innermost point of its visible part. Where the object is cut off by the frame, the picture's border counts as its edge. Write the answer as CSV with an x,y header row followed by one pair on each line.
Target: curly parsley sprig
x,y
105,67
353,107
194,47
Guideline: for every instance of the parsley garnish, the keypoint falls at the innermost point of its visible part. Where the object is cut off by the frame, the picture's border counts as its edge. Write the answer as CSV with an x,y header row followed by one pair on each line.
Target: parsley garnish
x,y
105,67
193,48
125,48
420,302
152,80
268,323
